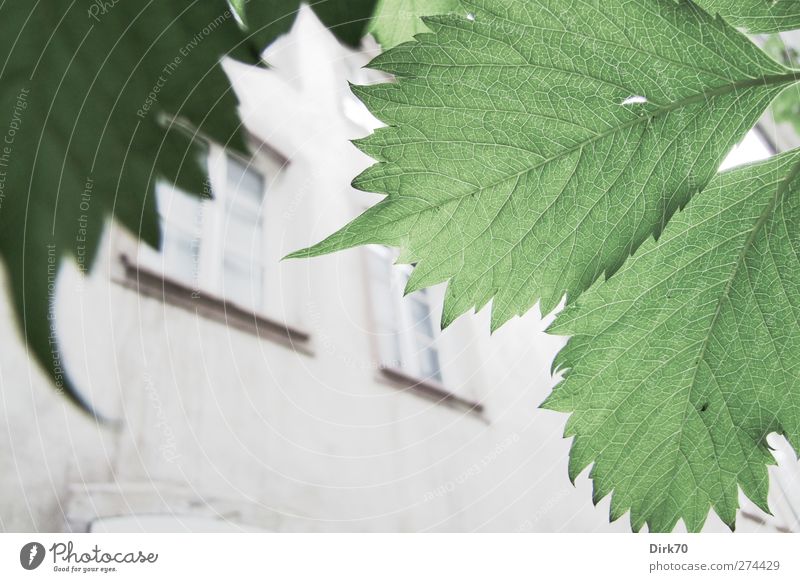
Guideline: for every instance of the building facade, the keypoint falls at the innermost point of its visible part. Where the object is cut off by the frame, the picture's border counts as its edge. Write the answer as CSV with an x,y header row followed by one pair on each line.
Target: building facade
x,y
255,394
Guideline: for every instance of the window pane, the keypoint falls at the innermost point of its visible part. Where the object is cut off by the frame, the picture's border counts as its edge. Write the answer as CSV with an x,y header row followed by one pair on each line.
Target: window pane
x,y
429,363
245,186
242,236
243,214
181,252
380,274
427,354
420,315
177,207
242,282
181,223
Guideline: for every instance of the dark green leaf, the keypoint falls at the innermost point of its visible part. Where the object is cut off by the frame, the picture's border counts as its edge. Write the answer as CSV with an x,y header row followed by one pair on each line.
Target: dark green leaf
x,y
87,92
347,19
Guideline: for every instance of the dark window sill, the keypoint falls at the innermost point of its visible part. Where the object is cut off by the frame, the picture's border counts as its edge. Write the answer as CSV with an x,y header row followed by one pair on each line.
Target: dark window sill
x,y
173,292
432,390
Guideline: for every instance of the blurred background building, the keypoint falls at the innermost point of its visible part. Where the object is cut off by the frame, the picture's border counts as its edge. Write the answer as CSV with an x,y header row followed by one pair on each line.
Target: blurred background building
x,y
255,394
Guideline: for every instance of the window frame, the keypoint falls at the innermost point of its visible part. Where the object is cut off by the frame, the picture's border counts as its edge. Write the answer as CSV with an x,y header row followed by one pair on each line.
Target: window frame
x,y
219,162
213,219
150,278
390,369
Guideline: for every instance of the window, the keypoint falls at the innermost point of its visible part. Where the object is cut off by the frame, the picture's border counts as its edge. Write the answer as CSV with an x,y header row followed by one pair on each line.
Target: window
x,y
180,217
405,327
214,245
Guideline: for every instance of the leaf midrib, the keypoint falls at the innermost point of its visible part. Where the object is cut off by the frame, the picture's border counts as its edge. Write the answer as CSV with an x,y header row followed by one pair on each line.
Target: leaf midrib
x,y
751,237
767,80
788,78
763,218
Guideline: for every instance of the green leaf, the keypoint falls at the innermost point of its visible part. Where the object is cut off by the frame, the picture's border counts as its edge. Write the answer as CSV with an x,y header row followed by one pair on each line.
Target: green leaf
x,y
397,21
682,364
756,16
521,161
87,92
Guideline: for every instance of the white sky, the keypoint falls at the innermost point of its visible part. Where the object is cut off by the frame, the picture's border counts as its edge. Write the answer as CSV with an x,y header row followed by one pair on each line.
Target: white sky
x,y
753,148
